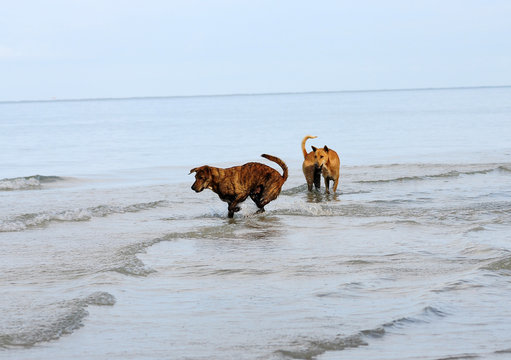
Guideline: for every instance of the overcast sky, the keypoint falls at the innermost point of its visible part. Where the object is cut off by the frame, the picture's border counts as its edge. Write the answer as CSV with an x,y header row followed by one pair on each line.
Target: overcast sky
x,y
68,49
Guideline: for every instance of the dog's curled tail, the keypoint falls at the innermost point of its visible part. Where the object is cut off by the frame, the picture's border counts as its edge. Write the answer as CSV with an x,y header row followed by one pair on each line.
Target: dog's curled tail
x,y
303,144
281,163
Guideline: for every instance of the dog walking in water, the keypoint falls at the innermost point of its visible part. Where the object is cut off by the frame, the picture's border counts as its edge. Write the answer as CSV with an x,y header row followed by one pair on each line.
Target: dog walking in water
x,y
233,185
327,161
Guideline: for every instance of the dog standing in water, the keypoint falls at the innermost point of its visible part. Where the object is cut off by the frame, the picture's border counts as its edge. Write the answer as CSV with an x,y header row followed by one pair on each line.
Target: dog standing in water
x,y
310,171
233,185
328,162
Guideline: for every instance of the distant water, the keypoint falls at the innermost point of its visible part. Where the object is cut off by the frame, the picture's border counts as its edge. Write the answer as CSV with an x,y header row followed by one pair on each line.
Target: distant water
x,y
106,252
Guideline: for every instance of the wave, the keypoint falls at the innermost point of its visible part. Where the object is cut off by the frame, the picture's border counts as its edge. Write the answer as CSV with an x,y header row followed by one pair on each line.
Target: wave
x,y
477,228
295,190
462,357
28,182
398,212
310,349
64,318
314,348
332,209
259,226
127,262
478,216
33,220
443,175
502,266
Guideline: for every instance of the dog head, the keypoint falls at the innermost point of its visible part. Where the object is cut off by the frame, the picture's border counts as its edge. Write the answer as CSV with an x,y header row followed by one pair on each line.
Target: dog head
x,y
202,178
320,156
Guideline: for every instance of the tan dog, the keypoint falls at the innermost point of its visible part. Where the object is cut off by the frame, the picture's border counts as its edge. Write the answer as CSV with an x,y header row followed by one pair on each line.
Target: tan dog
x,y
311,172
328,162
233,185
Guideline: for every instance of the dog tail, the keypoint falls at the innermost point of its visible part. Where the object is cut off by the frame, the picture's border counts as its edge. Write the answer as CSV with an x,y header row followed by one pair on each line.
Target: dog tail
x,y
303,144
281,163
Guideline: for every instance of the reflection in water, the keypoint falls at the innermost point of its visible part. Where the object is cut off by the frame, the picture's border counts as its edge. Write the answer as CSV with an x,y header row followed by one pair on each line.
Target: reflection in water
x,y
318,196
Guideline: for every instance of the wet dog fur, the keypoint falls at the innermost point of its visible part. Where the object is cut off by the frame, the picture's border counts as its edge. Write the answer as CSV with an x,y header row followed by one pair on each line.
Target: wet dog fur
x,y
233,185
327,161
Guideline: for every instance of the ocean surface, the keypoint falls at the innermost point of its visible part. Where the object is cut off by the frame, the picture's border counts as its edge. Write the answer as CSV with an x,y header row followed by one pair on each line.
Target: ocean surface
x,y
107,253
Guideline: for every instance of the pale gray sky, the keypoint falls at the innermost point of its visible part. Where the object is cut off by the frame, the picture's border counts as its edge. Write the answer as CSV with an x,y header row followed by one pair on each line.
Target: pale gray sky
x,y
104,48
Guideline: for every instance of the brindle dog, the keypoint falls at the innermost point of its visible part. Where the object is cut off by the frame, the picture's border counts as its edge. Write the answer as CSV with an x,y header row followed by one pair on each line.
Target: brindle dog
x,y
233,185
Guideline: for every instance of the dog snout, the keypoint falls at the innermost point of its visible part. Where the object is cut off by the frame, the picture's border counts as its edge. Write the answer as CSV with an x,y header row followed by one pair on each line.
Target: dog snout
x,y
197,188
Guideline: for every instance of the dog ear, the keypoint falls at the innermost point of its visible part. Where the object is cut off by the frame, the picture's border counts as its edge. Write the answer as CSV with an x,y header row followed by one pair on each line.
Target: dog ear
x,y
192,171
314,148
326,148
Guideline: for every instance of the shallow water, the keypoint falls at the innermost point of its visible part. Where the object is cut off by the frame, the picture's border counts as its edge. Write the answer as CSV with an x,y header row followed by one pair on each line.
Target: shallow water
x,y
107,253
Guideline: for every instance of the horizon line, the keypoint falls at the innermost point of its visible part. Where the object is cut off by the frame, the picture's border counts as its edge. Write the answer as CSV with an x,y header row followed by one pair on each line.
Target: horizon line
x,y
253,94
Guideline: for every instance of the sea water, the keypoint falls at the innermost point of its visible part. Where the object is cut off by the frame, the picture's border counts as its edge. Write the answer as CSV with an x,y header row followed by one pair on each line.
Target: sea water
x,y
106,252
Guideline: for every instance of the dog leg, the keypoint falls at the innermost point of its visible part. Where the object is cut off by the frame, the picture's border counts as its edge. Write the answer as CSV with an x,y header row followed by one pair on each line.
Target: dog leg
x,y
257,201
309,186
327,185
265,199
336,181
310,176
232,211
317,179
233,208
233,205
